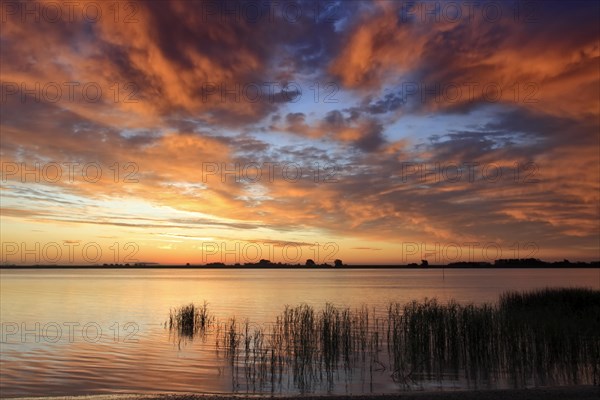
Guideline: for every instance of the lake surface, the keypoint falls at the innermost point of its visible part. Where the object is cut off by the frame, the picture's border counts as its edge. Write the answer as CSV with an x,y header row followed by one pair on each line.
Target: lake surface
x,y
75,332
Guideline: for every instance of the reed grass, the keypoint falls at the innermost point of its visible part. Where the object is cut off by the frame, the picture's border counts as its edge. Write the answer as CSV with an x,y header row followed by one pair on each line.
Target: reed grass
x,y
543,337
190,319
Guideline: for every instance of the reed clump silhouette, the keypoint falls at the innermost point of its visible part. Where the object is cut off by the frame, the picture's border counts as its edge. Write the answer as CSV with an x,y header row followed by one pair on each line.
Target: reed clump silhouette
x,y
543,337
190,319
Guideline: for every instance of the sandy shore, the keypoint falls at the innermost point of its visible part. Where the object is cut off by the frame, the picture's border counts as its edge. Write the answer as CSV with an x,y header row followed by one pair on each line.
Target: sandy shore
x,y
561,393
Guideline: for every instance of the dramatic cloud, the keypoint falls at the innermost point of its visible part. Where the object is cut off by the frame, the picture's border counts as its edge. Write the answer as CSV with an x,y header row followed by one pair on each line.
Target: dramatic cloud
x,y
370,124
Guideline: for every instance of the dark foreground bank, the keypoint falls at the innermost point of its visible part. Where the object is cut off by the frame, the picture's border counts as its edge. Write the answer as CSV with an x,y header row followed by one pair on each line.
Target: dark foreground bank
x,y
560,393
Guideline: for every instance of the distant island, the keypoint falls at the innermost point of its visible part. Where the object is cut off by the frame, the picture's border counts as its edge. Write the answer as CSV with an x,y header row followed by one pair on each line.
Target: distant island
x,y
337,264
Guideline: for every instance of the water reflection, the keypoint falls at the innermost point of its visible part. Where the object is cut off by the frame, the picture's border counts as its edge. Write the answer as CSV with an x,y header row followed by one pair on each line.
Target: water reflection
x,y
137,353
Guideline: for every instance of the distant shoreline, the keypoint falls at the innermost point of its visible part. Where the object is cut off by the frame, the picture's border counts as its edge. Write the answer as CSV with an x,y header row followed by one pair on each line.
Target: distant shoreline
x,y
593,265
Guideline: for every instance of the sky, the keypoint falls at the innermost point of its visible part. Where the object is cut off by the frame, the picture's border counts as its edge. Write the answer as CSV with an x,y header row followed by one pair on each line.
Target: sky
x,y
375,132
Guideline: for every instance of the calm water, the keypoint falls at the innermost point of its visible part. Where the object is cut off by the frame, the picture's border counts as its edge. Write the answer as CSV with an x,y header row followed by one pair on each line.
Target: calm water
x,y
70,332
